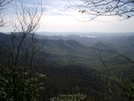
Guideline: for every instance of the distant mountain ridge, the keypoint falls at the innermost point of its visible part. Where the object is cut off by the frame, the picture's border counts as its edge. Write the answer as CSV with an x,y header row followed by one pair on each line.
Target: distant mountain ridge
x,y
4,36
78,50
65,45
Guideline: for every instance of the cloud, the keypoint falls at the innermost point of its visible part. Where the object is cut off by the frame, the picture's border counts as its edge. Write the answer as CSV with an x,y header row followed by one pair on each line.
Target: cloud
x,y
57,7
51,7
57,18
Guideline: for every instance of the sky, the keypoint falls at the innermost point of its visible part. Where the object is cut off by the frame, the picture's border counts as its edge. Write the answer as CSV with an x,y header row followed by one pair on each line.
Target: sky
x,y
57,18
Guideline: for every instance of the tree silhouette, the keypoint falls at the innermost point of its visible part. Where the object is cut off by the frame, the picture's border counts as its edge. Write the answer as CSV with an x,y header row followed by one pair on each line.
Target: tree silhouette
x,y
95,8
124,89
19,78
3,4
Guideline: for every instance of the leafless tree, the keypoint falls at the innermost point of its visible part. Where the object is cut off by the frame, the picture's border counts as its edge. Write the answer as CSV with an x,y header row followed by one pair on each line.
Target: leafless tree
x,y
3,4
123,91
95,8
24,52
25,46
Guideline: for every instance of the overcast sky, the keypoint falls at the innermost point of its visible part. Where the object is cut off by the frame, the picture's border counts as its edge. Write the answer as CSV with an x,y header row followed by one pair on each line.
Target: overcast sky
x,y
57,19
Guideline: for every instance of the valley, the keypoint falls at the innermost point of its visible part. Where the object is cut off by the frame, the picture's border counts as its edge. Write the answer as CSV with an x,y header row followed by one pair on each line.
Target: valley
x,y
89,65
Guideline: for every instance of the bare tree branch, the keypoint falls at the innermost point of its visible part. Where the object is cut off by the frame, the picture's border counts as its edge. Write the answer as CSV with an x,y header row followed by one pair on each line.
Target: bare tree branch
x,y
111,77
3,4
95,8
26,23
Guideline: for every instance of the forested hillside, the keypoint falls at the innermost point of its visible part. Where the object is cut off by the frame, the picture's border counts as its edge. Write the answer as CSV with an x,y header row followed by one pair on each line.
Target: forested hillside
x,y
73,67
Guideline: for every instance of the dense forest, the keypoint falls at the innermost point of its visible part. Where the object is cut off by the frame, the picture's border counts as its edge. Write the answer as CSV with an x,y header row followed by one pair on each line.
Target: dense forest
x,y
68,68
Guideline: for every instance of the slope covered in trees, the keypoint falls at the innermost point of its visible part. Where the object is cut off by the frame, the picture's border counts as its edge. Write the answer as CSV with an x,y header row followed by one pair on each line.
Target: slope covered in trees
x,y
68,67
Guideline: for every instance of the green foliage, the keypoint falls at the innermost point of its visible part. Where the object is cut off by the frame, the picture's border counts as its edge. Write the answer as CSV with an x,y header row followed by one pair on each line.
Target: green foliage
x,y
129,91
71,97
66,74
6,84
21,85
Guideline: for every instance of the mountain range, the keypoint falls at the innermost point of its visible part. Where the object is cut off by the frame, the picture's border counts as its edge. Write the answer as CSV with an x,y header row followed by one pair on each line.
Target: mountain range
x,y
80,63
83,49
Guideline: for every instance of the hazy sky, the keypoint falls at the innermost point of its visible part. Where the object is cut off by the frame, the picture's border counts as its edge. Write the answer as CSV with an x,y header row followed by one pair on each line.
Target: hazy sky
x,y
57,19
